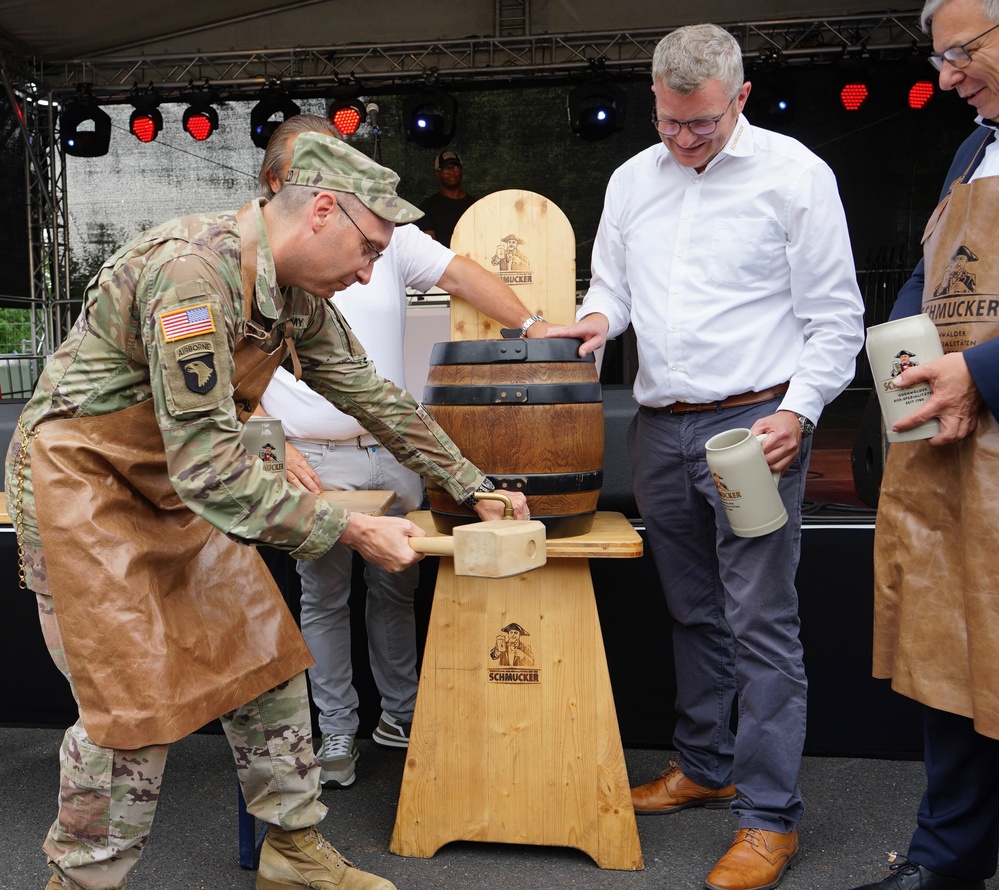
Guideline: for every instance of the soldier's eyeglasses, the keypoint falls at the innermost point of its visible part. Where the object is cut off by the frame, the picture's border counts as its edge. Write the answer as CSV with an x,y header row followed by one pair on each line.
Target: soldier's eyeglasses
x,y
376,254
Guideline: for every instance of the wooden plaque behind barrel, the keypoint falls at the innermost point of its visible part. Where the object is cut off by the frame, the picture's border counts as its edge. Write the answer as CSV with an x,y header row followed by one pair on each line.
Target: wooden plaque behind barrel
x,y
529,414
528,242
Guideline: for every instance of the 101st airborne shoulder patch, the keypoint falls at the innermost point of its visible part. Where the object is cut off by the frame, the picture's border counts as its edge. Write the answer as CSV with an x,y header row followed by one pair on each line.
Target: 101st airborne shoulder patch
x,y
197,363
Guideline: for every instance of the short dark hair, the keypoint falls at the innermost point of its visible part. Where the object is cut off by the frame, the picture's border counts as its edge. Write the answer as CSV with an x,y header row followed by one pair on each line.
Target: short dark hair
x,y
277,157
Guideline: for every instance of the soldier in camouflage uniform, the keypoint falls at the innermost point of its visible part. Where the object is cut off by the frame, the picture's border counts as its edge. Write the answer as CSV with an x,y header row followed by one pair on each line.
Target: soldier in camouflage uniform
x,y
135,425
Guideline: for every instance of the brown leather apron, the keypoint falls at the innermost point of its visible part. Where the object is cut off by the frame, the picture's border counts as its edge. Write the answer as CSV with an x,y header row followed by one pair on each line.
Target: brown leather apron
x,y
166,622
936,557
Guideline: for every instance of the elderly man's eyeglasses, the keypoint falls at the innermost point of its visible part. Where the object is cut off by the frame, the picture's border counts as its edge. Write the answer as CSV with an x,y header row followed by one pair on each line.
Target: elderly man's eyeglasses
x,y
702,127
958,56
376,254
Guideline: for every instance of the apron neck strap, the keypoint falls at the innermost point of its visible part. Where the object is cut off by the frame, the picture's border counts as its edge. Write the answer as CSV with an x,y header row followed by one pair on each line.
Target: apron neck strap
x,y
248,271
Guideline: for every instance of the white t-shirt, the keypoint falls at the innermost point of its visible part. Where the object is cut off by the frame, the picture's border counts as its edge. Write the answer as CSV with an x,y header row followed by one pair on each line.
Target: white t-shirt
x,y
376,312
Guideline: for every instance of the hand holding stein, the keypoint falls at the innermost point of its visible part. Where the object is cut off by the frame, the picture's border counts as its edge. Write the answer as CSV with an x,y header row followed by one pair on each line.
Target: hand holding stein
x,y
747,486
891,348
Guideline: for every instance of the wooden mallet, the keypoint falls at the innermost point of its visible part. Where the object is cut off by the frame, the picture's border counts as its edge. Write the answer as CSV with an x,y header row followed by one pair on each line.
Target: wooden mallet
x,y
498,548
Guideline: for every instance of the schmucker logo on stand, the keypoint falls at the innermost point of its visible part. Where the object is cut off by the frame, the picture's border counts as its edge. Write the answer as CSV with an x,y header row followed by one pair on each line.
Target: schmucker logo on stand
x,y
514,655
514,266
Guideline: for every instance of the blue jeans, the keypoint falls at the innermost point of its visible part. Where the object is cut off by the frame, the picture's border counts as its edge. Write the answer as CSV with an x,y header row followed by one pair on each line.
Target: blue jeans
x,y
389,616
735,610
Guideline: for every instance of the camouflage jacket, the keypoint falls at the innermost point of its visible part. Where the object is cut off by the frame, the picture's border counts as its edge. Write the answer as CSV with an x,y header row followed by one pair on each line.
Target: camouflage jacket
x,y
160,320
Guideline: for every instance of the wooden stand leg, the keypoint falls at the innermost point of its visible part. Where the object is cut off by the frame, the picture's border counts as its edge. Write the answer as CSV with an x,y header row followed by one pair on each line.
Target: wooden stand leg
x,y
515,736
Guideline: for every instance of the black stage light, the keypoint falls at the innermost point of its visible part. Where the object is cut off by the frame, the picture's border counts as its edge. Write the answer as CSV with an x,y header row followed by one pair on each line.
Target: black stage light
x,y
773,98
262,117
85,129
346,113
145,123
920,93
853,95
201,120
596,108
430,117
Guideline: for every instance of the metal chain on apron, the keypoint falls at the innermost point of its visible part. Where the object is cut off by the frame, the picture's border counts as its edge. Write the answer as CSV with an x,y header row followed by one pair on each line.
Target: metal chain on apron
x,y
18,515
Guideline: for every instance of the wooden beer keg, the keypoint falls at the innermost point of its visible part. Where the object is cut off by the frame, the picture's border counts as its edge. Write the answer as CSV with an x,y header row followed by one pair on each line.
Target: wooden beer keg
x,y
529,414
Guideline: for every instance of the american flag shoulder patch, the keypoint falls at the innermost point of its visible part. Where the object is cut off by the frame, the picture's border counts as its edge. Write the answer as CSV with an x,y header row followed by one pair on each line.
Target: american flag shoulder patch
x,y
187,322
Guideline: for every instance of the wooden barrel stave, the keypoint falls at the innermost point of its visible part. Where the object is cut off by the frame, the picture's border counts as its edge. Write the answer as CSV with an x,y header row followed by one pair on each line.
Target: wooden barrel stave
x,y
552,451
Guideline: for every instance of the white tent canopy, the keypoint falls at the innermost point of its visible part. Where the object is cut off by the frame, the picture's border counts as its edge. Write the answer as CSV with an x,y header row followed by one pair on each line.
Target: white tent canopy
x,y
69,30
311,46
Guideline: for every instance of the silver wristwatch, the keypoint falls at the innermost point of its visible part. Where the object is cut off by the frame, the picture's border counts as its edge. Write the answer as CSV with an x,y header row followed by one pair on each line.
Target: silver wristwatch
x,y
485,485
807,427
526,326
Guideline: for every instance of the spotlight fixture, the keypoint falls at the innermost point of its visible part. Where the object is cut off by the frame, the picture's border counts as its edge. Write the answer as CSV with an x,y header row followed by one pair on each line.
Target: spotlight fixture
x,y
853,95
262,116
773,99
85,129
145,123
920,93
596,108
201,120
346,113
430,117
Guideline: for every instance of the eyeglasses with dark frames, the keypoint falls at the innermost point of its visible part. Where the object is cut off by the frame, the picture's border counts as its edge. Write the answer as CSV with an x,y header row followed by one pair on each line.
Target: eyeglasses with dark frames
x,y
702,127
376,253
958,56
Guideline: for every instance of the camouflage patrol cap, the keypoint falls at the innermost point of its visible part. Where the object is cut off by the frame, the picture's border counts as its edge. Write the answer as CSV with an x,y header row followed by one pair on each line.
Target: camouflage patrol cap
x,y
325,162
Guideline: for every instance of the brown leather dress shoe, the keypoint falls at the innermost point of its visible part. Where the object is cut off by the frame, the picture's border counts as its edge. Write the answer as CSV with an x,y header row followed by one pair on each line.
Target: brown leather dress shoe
x,y
756,860
673,792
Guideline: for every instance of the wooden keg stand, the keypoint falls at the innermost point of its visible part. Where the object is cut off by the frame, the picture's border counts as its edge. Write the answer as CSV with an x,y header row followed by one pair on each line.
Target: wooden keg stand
x,y
515,737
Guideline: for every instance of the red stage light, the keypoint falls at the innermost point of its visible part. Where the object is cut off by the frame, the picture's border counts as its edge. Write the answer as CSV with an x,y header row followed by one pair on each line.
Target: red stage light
x,y
145,125
199,127
853,95
346,118
920,93
201,121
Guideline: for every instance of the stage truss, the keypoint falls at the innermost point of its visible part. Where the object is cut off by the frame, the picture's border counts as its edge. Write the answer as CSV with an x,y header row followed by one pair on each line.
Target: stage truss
x,y
513,57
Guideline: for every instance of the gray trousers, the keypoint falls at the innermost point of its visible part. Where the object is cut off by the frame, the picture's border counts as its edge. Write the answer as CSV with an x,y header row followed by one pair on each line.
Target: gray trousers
x,y
735,612
391,623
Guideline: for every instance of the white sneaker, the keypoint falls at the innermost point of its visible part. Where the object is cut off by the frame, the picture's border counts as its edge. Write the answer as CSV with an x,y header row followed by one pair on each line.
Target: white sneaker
x,y
337,755
392,733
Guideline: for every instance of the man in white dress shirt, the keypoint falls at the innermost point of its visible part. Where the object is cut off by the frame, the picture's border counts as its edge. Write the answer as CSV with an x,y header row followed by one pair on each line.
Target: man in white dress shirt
x,y
327,449
727,249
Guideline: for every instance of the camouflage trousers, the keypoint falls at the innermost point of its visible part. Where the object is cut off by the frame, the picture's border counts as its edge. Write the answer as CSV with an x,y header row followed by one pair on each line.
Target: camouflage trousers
x,y
107,798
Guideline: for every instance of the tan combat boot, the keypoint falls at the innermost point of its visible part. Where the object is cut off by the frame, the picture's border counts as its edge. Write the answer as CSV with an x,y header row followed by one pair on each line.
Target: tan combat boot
x,y
304,858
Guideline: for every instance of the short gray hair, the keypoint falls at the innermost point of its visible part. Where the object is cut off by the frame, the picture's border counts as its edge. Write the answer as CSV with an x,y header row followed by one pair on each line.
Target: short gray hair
x,y
989,7
687,58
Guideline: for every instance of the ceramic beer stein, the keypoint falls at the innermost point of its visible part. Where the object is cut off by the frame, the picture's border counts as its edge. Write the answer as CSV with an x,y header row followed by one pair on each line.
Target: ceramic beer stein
x,y
264,438
747,486
891,348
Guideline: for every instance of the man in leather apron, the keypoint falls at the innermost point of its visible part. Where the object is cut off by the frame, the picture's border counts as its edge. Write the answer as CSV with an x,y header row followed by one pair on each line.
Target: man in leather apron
x,y
326,449
134,501
936,621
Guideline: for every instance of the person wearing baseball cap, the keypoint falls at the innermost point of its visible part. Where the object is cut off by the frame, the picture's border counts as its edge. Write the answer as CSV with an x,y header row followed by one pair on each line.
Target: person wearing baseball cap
x,y
129,464
443,209
329,163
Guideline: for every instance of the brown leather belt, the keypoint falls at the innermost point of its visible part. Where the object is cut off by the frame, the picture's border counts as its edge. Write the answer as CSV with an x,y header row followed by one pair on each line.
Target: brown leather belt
x,y
739,401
